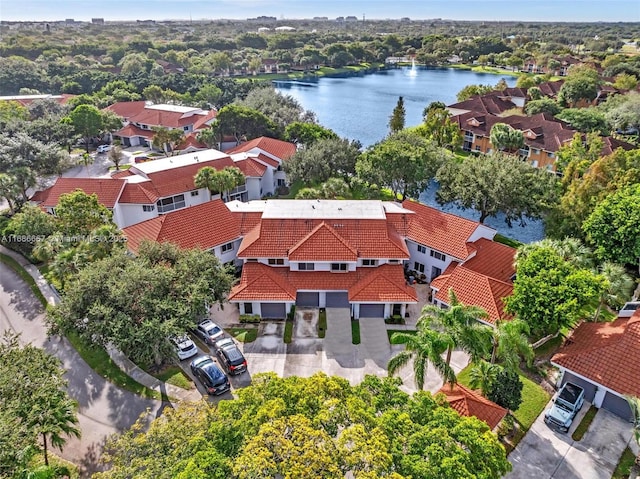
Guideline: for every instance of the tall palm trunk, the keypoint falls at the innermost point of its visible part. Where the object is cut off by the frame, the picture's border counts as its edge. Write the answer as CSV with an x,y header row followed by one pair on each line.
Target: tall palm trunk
x,y
46,455
448,360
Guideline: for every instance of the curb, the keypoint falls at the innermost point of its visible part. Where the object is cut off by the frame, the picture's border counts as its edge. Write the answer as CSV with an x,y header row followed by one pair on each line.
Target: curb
x,y
124,363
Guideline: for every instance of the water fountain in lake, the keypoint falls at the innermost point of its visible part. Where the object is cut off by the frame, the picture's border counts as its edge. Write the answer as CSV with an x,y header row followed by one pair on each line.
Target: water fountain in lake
x,y
413,72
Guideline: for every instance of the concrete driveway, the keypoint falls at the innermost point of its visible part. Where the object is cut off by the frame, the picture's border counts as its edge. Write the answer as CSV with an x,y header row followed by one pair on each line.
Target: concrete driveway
x,y
545,454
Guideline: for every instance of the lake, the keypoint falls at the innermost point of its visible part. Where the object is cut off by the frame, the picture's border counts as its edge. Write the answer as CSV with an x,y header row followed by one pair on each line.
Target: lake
x,y
359,108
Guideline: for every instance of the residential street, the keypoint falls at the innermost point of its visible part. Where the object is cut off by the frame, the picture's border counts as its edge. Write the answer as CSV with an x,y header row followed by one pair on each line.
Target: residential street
x,y
103,407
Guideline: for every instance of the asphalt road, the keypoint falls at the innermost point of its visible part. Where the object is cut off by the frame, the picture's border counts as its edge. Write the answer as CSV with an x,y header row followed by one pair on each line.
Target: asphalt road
x,y
103,408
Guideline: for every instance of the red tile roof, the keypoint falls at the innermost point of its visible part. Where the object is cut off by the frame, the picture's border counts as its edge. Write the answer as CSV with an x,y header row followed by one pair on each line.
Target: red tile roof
x,y
275,238
139,193
383,284
127,109
606,353
440,231
484,280
493,103
278,148
203,120
203,226
121,174
106,189
168,119
469,403
251,167
323,243
132,130
180,180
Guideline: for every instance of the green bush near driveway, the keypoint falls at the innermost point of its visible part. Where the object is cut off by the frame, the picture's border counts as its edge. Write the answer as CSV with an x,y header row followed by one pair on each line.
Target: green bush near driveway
x,y
355,331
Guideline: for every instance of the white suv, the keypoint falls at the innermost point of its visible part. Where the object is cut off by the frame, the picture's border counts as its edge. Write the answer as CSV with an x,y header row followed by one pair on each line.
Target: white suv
x,y
185,348
103,148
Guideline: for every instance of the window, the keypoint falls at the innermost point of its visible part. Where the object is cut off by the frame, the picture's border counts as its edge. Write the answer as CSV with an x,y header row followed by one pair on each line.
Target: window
x,y
422,249
477,148
550,155
276,261
338,266
394,261
437,255
195,193
306,266
535,151
419,267
435,272
227,247
186,128
148,207
369,262
248,308
252,260
169,204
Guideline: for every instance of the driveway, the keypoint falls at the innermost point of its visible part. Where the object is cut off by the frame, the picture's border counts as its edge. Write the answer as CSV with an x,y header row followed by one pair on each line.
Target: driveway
x,y
545,454
103,408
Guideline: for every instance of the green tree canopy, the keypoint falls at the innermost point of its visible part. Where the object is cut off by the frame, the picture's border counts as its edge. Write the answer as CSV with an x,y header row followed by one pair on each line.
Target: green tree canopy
x,y
306,134
585,120
243,123
404,162
281,109
543,105
397,119
34,405
504,137
310,427
323,159
550,293
614,226
440,128
497,183
137,303
87,121
506,389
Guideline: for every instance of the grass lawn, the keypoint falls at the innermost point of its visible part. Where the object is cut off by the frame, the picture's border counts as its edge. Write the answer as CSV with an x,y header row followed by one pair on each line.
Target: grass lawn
x,y
501,71
624,465
322,323
355,332
584,424
98,360
549,348
288,331
26,277
244,335
391,331
174,375
122,167
534,399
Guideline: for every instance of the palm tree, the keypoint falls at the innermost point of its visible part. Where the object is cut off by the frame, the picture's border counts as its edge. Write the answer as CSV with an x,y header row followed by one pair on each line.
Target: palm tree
x,y
634,404
206,178
483,375
424,347
459,323
505,138
510,343
570,249
619,287
55,418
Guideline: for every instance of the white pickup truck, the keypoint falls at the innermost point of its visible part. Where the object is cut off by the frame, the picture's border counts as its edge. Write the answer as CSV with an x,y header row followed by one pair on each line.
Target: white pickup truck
x,y
566,404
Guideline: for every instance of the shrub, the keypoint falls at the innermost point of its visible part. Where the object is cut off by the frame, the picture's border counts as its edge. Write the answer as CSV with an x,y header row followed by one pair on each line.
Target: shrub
x,y
249,318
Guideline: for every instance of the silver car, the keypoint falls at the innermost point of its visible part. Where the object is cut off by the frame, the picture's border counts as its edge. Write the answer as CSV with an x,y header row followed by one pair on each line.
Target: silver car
x,y
209,331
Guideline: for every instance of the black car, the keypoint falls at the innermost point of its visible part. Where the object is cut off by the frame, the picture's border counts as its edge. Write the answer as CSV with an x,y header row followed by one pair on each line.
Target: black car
x,y
230,356
210,375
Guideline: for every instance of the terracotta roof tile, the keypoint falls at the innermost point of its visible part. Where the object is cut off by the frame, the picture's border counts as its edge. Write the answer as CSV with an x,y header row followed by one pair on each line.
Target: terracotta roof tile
x,y
168,119
441,231
323,243
278,148
251,167
127,109
139,193
274,238
107,190
382,284
121,174
606,353
492,259
469,403
203,226
132,130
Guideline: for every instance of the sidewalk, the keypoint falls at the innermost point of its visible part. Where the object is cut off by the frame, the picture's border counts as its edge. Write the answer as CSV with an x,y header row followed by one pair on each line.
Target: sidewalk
x,y
120,359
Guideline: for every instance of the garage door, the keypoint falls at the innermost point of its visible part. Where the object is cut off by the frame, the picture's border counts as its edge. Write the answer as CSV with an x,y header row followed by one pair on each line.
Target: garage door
x,y
372,310
589,388
308,299
617,405
338,300
273,310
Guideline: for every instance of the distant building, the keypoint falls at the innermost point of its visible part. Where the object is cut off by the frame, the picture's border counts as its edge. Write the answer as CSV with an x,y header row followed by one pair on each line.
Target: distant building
x,y
262,18
351,19
340,19
323,19
97,21
405,19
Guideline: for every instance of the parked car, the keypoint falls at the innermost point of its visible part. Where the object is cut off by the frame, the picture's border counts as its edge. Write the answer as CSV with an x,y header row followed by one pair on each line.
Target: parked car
x,y
103,148
141,159
210,376
566,404
209,331
185,348
229,356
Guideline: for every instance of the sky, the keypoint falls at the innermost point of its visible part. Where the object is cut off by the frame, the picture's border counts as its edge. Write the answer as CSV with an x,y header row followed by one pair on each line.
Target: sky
x,y
536,10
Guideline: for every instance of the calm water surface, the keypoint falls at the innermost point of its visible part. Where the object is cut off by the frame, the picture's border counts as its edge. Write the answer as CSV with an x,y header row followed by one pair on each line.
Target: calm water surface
x,y
359,108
